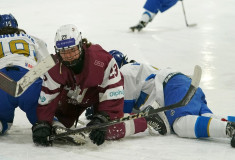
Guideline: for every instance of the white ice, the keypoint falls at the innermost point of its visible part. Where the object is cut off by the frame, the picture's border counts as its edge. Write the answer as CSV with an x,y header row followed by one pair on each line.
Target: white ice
x,y
166,42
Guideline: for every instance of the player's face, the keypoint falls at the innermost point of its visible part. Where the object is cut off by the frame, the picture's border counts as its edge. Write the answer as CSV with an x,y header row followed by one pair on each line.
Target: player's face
x,y
70,54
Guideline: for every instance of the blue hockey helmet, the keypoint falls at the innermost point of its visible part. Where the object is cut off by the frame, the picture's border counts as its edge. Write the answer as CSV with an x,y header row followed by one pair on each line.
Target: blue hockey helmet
x,y
119,57
8,20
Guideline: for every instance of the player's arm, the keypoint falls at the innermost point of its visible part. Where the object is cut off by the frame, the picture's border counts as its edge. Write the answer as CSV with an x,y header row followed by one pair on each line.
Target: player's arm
x,y
111,100
41,49
48,103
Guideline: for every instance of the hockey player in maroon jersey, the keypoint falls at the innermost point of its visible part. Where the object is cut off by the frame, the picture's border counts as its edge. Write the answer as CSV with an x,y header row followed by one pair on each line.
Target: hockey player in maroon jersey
x,y
85,75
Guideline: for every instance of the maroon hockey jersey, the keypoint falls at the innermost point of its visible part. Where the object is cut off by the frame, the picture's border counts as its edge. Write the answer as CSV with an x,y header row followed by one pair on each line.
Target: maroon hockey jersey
x,y
100,85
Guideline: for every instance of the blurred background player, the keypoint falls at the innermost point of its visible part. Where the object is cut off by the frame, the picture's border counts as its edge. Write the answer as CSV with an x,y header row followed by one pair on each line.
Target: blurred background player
x,y
145,85
152,7
19,52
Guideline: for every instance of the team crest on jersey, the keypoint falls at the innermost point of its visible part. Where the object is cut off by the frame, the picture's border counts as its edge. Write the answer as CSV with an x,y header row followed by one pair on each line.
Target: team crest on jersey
x,y
72,101
77,94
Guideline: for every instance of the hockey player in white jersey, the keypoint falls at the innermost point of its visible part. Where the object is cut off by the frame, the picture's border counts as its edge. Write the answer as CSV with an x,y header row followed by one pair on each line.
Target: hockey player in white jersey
x,y
144,85
19,52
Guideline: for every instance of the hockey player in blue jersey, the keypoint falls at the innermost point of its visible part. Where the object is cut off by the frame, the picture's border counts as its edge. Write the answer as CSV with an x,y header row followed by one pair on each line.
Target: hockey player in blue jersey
x,y
19,52
146,86
152,7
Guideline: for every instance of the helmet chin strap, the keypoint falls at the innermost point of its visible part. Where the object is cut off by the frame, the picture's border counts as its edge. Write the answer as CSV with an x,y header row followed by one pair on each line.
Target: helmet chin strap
x,y
76,65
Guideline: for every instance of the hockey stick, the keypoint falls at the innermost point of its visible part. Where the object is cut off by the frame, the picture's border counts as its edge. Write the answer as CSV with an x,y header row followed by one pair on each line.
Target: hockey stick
x,y
17,88
188,25
191,91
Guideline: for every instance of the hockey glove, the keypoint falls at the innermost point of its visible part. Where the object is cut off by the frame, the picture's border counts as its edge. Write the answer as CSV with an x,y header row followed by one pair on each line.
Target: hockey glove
x,y
97,136
41,132
139,26
155,121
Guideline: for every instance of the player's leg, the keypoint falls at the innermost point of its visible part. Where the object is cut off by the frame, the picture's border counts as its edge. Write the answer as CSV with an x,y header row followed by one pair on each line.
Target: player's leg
x,y
151,8
167,4
28,101
8,103
192,126
7,109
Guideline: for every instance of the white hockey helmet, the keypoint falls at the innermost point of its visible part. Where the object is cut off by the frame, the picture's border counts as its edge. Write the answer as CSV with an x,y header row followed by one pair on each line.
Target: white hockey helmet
x,y
68,36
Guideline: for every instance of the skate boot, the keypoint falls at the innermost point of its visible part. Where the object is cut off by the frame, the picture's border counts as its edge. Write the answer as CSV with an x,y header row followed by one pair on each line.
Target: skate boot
x,y
155,121
139,26
230,131
76,139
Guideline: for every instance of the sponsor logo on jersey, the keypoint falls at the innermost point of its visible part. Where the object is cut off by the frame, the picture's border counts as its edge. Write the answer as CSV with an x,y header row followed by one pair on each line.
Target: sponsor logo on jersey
x,y
28,65
42,98
116,93
98,63
112,93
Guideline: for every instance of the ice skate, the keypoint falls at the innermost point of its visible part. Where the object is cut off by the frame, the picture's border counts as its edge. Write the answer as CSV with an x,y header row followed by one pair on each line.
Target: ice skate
x,y
155,121
139,26
230,131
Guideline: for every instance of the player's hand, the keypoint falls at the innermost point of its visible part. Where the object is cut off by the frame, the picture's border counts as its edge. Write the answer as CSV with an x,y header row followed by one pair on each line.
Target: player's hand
x,y
97,136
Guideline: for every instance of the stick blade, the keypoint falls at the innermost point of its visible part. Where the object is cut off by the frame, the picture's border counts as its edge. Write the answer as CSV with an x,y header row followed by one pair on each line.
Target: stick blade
x,y
194,85
7,84
196,76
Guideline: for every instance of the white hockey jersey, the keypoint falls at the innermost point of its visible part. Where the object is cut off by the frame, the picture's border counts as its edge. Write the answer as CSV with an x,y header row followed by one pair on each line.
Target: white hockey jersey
x,y
21,50
143,84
